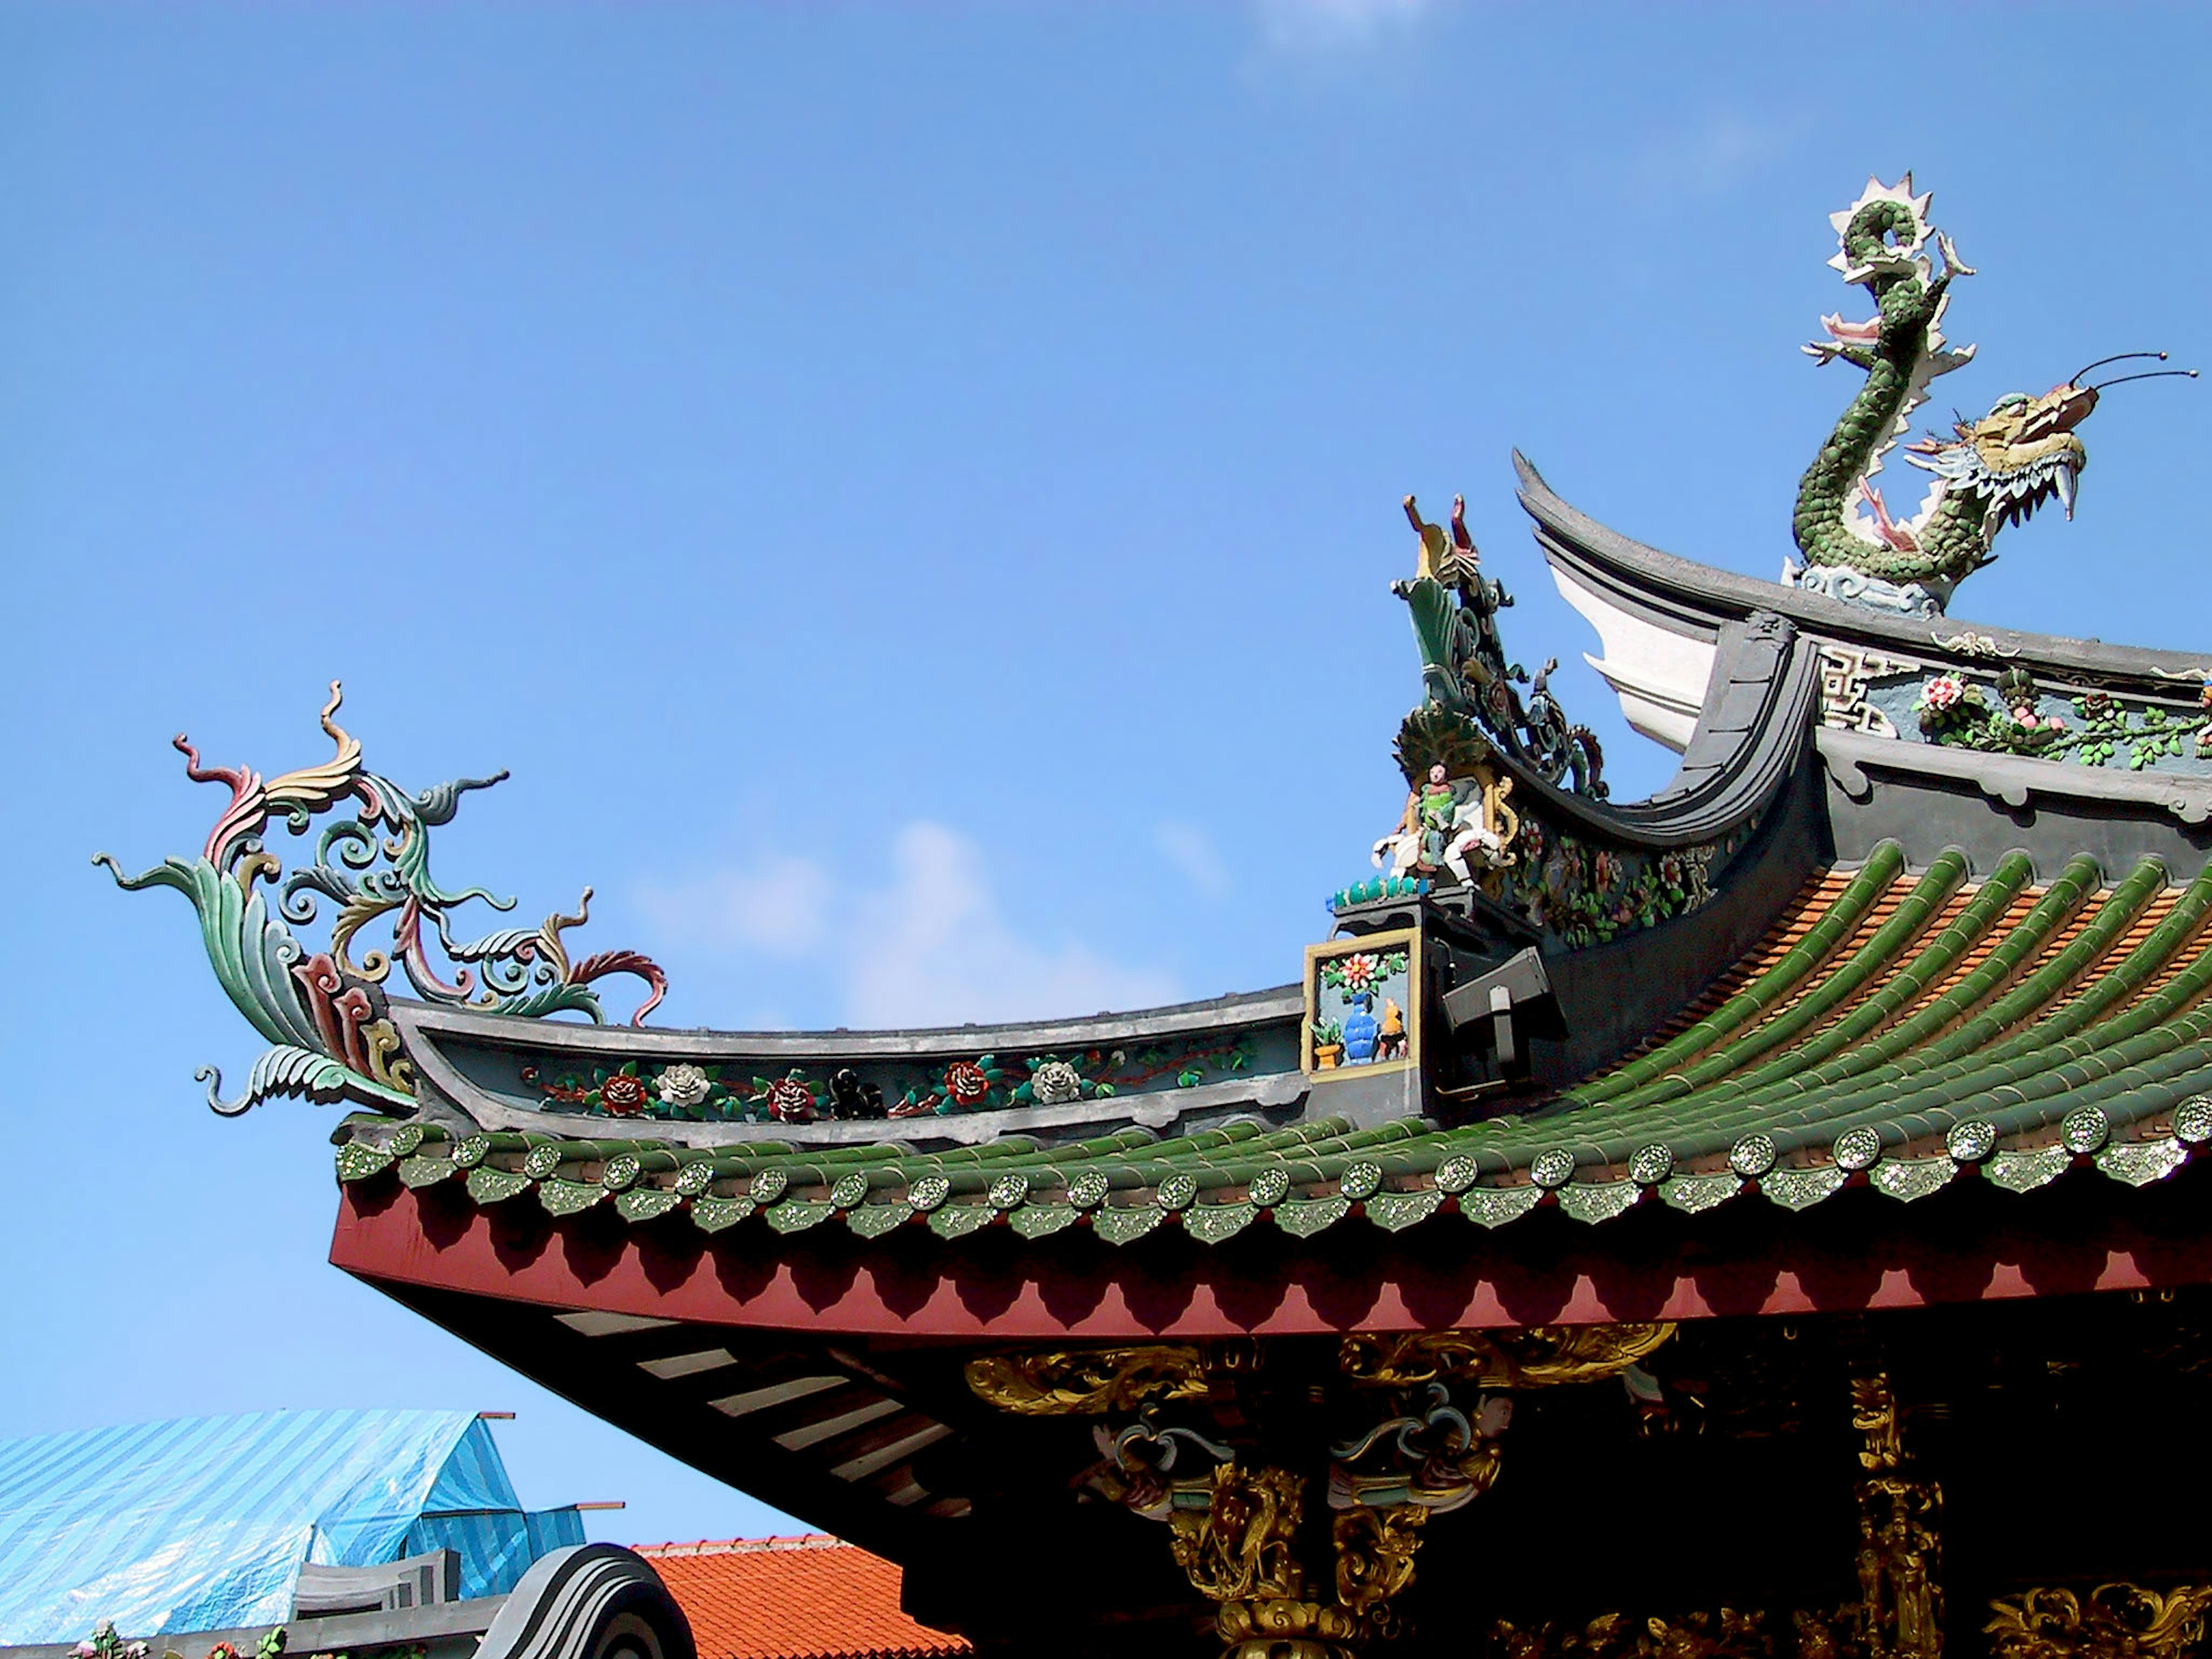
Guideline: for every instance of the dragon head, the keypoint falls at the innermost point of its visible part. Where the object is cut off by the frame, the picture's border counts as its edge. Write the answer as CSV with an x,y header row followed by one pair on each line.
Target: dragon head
x,y
2024,452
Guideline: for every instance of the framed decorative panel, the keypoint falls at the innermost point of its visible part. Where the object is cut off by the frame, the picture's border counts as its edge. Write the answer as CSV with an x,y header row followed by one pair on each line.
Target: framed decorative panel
x,y
1362,1005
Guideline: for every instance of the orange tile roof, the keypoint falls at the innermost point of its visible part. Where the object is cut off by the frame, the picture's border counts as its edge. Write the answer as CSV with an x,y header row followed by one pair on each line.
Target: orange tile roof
x,y
814,1597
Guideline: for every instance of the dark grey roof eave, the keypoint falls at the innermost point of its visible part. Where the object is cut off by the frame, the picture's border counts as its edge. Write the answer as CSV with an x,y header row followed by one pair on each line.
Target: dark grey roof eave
x,y
1696,599
1225,1013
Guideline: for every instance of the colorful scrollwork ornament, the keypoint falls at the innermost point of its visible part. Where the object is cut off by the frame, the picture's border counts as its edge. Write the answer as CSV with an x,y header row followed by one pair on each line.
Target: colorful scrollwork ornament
x,y
326,1013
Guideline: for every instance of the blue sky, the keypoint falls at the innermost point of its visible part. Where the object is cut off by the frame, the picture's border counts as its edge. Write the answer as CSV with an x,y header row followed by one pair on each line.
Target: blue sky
x,y
910,492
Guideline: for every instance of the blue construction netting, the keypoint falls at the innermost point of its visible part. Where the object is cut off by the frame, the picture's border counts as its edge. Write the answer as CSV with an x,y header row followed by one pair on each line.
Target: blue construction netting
x,y
202,1524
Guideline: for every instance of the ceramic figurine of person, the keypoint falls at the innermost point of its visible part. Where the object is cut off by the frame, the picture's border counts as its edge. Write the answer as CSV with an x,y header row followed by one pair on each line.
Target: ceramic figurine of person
x,y
1453,824
1390,1042
1433,810
1425,828
1401,847
1471,834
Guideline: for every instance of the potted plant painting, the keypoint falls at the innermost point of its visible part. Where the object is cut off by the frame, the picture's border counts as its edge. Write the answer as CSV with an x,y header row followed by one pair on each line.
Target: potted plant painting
x,y
1328,1044
1358,979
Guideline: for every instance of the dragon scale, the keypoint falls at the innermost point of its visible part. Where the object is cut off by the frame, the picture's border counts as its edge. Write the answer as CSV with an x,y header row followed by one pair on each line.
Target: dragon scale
x,y
1881,239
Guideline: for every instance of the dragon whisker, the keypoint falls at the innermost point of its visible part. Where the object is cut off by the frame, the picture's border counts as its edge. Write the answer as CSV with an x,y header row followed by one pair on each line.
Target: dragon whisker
x,y
2147,375
2116,357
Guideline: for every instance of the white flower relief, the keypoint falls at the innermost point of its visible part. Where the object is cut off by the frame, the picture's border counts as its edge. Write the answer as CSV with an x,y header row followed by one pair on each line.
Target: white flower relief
x,y
1056,1082
683,1085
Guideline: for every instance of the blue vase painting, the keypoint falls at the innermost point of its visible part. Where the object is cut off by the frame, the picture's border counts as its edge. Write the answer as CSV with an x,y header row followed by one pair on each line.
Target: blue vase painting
x,y
1361,1028
1360,991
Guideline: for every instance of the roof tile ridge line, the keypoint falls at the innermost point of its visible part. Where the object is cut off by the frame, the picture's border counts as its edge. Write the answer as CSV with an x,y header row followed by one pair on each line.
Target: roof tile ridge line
x,y
1946,915
2139,923
1975,971
2044,1058
2148,1059
1131,1169
2039,1098
1876,917
1297,1139
1807,1016
1910,982
2117,1071
739,1165
2087,899
2200,916
1874,1068
1897,925
1922,1085
2031,1067
1820,894
1410,1157
1814,899
2092,945
2143,930
2130,980
2178,999
1318,1164
1757,967
2026,903
1108,1154
2075,926
1749,1005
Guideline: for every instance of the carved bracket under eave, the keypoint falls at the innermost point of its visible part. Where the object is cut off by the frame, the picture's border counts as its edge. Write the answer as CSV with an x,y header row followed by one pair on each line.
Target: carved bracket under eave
x,y
1411,1423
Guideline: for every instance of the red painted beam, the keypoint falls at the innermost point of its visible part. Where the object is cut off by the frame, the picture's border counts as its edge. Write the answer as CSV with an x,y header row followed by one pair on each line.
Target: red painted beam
x,y
1860,1250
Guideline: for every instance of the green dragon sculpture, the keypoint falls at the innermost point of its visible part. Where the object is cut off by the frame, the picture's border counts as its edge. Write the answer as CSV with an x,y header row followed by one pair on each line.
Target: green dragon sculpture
x,y
1992,472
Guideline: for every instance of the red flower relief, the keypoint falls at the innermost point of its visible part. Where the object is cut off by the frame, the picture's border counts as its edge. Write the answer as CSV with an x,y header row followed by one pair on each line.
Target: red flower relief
x,y
790,1100
623,1095
966,1083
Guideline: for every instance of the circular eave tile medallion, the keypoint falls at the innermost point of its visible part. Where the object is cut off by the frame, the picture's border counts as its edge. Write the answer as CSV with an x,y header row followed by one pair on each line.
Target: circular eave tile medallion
x,y
1176,1192
1858,1149
1972,1141
2193,1121
2085,1130
1752,1156
1553,1169
1269,1187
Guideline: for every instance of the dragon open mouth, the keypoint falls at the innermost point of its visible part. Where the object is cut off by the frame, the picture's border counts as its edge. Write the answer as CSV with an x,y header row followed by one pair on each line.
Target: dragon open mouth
x,y
2013,475
2016,495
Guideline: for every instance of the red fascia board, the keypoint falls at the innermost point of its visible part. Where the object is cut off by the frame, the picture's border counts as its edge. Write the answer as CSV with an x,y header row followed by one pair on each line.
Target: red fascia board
x,y
1860,1250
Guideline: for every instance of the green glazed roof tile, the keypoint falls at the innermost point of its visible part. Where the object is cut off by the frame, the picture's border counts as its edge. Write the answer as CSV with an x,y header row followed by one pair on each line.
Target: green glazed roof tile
x,y
420,1172
874,1220
1595,1201
645,1203
1041,1220
1902,1026
489,1186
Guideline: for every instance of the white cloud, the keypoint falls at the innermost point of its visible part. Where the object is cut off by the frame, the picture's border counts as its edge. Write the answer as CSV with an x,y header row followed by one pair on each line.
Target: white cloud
x,y
781,905
924,942
1192,851
1306,28
934,949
